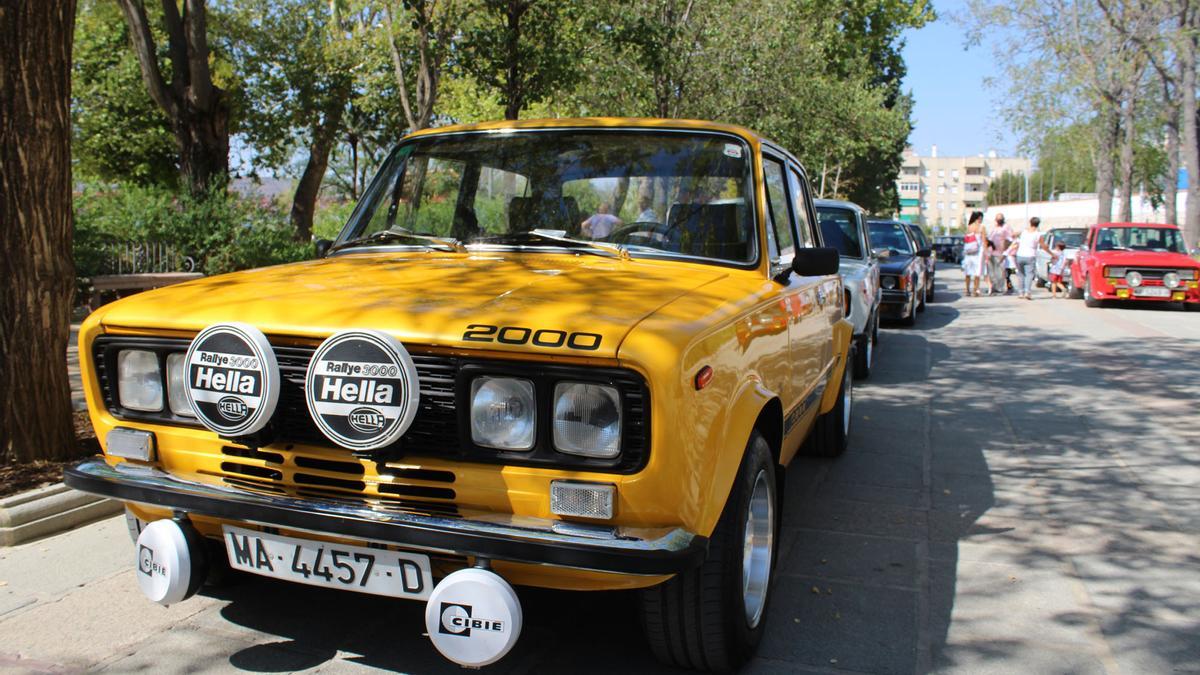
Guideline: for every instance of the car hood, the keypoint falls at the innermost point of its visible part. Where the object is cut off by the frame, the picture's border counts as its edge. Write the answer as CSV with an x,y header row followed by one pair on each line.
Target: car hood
x,y
427,298
895,264
1145,259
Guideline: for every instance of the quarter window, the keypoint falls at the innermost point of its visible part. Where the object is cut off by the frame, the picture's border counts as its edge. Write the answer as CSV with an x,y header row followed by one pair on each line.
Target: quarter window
x,y
799,194
779,233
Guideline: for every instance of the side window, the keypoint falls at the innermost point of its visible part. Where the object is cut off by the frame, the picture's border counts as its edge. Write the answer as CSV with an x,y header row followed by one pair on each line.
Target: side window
x,y
808,238
780,243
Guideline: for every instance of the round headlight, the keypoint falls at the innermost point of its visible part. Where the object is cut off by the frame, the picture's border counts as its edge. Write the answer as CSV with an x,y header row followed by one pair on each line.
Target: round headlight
x,y
587,419
503,413
888,282
1134,279
1171,280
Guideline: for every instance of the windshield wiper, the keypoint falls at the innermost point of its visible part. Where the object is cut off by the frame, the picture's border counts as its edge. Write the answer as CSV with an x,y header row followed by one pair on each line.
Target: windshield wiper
x,y
384,236
581,245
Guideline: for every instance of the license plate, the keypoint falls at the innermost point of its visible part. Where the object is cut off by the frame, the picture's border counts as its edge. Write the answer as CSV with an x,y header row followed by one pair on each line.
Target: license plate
x,y
1152,292
318,563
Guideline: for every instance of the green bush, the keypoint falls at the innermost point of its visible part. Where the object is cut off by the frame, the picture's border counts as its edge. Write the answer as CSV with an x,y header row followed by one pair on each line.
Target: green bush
x,y
220,232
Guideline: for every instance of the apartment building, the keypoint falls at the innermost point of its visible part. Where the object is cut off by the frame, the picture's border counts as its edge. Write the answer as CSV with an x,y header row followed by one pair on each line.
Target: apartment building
x,y
940,192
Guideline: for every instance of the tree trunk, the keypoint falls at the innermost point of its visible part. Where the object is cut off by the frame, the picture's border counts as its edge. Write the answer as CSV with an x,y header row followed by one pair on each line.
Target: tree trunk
x,y
1106,142
617,198
1171,186
304,202
514,98
203,141
36,264
1191,151
1128,140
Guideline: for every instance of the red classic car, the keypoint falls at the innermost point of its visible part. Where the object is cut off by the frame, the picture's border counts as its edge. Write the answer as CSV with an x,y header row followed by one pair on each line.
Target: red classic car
x,y
1135,261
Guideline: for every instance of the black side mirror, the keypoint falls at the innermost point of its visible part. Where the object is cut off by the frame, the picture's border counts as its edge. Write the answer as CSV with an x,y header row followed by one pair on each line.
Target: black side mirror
x,y
816,262
924,253
322,246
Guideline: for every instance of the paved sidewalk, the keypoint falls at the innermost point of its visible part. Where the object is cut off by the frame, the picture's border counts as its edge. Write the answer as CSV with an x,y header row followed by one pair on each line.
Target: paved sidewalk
x,y
1022,494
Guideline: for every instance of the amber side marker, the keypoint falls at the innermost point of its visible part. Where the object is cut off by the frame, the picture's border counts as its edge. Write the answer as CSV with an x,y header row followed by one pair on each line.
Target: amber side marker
x,y
704,377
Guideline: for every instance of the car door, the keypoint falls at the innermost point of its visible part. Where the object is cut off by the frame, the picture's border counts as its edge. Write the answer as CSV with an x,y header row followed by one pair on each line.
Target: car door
x,y
789,221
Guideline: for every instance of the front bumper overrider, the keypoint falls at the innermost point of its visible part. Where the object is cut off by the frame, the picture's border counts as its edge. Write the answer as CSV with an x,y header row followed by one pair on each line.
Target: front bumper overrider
x,y
621,550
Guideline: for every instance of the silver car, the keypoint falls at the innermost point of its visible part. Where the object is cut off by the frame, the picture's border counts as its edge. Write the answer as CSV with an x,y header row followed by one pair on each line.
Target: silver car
x,y
844,227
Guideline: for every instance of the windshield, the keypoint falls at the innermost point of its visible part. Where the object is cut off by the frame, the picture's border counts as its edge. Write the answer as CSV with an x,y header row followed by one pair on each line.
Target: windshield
x,y
658,194
1140,239
839,229
890,236
1072,238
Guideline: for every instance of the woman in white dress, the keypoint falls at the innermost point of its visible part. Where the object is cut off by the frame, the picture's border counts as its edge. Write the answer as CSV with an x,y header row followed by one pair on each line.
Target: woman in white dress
x,y
973,246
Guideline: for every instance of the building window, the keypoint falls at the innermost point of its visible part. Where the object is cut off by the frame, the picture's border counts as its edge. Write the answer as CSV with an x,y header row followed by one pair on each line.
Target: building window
x,y
941,173
954,222
927,173
954,174
941,189
941,206
954,190
974,171
953,206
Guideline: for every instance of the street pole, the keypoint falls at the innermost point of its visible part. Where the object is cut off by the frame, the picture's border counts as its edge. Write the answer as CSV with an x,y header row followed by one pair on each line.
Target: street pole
x,y
1026,195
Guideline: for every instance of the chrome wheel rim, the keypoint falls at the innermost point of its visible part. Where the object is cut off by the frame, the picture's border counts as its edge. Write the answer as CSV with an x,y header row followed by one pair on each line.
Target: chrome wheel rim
x,y
870,351
757,546
847,401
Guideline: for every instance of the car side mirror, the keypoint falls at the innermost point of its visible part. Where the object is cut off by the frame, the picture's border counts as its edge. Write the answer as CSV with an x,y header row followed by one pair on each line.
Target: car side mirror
x,y
924,253
816,262
322,246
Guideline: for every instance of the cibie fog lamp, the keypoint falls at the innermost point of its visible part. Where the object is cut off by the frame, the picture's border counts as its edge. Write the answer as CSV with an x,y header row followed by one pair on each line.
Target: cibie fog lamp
x,y
503,413
1133,278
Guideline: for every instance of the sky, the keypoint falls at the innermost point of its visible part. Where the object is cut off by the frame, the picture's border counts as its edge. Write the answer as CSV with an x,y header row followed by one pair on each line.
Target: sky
x,y
953,108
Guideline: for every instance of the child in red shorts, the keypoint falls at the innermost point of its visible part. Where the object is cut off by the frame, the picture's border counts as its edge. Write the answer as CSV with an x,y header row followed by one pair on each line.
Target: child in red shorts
x,y
1058,264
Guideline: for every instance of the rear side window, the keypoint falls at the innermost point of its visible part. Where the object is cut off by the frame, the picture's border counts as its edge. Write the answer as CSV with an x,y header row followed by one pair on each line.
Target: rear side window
x,y
839,229
808,237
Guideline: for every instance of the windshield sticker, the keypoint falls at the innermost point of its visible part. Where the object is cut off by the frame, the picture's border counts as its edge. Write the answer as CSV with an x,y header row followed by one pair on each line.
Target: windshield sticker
x,y
232,379
361,389
733,150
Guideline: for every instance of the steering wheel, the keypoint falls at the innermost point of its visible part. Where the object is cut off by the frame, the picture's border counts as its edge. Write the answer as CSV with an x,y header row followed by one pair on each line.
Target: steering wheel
x,y
644,233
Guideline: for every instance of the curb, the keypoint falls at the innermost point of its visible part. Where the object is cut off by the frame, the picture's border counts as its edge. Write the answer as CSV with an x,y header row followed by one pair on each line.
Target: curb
x,y
45,511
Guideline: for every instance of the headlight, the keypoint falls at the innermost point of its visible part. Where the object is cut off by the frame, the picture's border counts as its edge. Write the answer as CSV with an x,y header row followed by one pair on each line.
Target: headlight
x,y
587,419
888,282
503,413
177,385
139,381
1171,280
1134,279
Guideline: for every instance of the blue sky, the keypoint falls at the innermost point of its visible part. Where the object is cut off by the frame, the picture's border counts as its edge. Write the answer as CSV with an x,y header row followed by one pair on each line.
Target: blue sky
x,y
953,107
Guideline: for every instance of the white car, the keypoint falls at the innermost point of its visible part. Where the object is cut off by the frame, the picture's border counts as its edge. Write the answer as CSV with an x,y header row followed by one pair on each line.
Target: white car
x,y
844,227
1071,236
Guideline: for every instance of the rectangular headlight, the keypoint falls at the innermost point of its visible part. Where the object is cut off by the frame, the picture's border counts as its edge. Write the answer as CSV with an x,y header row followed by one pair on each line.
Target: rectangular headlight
x,y
139,381
177,385
587,419
586,500
503,413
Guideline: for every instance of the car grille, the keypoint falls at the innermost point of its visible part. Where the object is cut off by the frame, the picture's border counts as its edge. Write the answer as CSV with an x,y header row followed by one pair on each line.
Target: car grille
x,y
1150,273
435,431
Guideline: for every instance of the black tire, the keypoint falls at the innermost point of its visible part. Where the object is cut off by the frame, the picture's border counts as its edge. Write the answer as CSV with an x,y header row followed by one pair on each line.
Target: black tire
x,y
911,319
920,296
864,354
929,291
831,434
698,618
1072,292
1087,295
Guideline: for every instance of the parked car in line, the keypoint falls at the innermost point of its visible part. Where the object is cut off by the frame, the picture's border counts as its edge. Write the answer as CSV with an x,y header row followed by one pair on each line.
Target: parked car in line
x,y
844,227
496,375
901,270
949,248
1143,262
1072,238
930,261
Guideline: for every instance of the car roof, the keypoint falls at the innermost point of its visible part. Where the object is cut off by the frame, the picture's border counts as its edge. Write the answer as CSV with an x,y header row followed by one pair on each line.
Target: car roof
x,y
838,203
1164,226
597,123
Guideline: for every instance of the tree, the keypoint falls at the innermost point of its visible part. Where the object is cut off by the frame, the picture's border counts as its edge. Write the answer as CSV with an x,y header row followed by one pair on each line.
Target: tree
x,y
35,208
197,108
120,134
523,50
432,23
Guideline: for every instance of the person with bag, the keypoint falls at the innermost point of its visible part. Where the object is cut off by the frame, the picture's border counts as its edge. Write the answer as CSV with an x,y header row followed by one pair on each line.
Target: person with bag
x,y
973,244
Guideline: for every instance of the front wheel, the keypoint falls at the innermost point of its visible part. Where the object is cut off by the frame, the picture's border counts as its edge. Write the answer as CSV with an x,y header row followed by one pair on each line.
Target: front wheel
x,y
1073,291
830,435
712,617
1087,294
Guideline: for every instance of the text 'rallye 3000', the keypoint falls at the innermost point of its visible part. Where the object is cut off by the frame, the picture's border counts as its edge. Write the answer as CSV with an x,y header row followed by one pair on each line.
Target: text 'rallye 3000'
x,y
578,354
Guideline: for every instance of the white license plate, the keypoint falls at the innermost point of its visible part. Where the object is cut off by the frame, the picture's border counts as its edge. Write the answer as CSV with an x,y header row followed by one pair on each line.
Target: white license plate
x,y
318,563
1152,292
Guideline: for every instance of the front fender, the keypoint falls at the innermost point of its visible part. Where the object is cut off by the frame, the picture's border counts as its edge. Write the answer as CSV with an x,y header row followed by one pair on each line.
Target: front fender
x,y
843,331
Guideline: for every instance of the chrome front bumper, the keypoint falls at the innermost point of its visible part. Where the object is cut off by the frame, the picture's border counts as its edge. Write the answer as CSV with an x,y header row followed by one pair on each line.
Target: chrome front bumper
x,y
622,550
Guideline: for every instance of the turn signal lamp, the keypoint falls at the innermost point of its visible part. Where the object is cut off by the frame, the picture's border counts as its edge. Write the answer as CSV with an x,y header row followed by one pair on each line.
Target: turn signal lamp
x,y
904,282
1122,292
704,377
1178,296
585,500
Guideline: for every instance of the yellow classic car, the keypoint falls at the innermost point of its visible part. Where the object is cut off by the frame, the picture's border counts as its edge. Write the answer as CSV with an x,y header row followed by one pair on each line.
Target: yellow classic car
x,y
575,354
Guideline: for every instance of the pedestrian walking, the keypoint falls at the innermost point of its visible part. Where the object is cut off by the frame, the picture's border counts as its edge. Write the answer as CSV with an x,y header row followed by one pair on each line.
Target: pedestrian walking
x,y
1058,265
1027,245
1000,237
973,252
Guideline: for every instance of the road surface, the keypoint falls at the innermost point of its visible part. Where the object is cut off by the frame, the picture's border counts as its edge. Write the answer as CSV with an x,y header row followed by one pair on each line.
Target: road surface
x,y
1022,494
